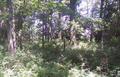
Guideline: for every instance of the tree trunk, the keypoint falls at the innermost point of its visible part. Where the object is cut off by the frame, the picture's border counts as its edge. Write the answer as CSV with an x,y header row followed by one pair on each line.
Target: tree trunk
x,y
44,26
20,25
104,34
101,14
91,35
72,7
64,42
11,27
2,25
72,30
91,27
119,6
43,35
60,34
101,8
51,33
48,32
45,31
20,22
98,36
59,25
48,27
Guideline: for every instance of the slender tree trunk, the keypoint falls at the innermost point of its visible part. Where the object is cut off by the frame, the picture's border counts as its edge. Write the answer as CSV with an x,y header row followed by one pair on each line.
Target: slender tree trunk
x,y
2,25
45,31
119,6
99,34
11,27
13,30
60,34
59,25
64,42
101,8
48,27
92,30
43,35
104,34
72,30
48,32
44,25
51,33
72,7
91,35
119,18
20,23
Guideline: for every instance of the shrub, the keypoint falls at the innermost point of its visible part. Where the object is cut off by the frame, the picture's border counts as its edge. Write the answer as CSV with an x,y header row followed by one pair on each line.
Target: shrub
x,y
20,64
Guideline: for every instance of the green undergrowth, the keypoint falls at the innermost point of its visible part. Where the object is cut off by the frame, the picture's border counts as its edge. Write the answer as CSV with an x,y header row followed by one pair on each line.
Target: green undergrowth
x,y
79,60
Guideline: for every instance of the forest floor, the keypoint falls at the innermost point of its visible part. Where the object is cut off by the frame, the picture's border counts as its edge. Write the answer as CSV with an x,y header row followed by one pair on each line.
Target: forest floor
x,y
83,59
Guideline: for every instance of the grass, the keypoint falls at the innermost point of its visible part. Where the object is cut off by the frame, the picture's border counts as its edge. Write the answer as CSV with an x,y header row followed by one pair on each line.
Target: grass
x,y
79,60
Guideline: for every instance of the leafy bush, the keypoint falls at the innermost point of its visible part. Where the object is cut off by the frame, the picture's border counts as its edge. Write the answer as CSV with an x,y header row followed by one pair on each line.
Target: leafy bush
x,y
20,64
82,60
53,69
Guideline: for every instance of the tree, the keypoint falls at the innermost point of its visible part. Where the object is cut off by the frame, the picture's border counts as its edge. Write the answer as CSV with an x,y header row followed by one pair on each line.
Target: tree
x,y
3,31
21,16
101,8
59,23
11,27
98,34
72,30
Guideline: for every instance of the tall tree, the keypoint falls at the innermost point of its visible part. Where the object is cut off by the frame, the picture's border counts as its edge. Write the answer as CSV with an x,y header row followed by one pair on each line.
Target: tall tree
x,y
59,24
101,8
11,27
20,25
72,29
119,5
98,35
3,30
44,24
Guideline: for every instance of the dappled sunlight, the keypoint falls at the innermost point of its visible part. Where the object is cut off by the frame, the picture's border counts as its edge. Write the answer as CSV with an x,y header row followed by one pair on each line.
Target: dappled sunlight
x,y
74,72
86,46
59,38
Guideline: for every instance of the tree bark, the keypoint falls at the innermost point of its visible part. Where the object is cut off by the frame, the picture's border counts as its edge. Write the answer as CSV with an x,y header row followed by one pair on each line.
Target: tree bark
x,y
59,25
64,42
43,34
48,27
119,6
101,8
99,35
48,31
104,34
11,27
3,30
91,35
51,33
20,24
72,29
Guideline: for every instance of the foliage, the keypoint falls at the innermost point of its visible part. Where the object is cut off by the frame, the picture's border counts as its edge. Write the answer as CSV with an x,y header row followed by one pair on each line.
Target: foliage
x,y
46,19
53,69
46,62
20,64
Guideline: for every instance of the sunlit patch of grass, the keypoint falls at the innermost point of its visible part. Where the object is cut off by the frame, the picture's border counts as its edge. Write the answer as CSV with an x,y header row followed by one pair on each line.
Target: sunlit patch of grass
x,y
85,46
75,72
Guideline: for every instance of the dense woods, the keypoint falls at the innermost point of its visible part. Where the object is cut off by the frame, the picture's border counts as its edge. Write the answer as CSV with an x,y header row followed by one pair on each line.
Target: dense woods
x,y
59,38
